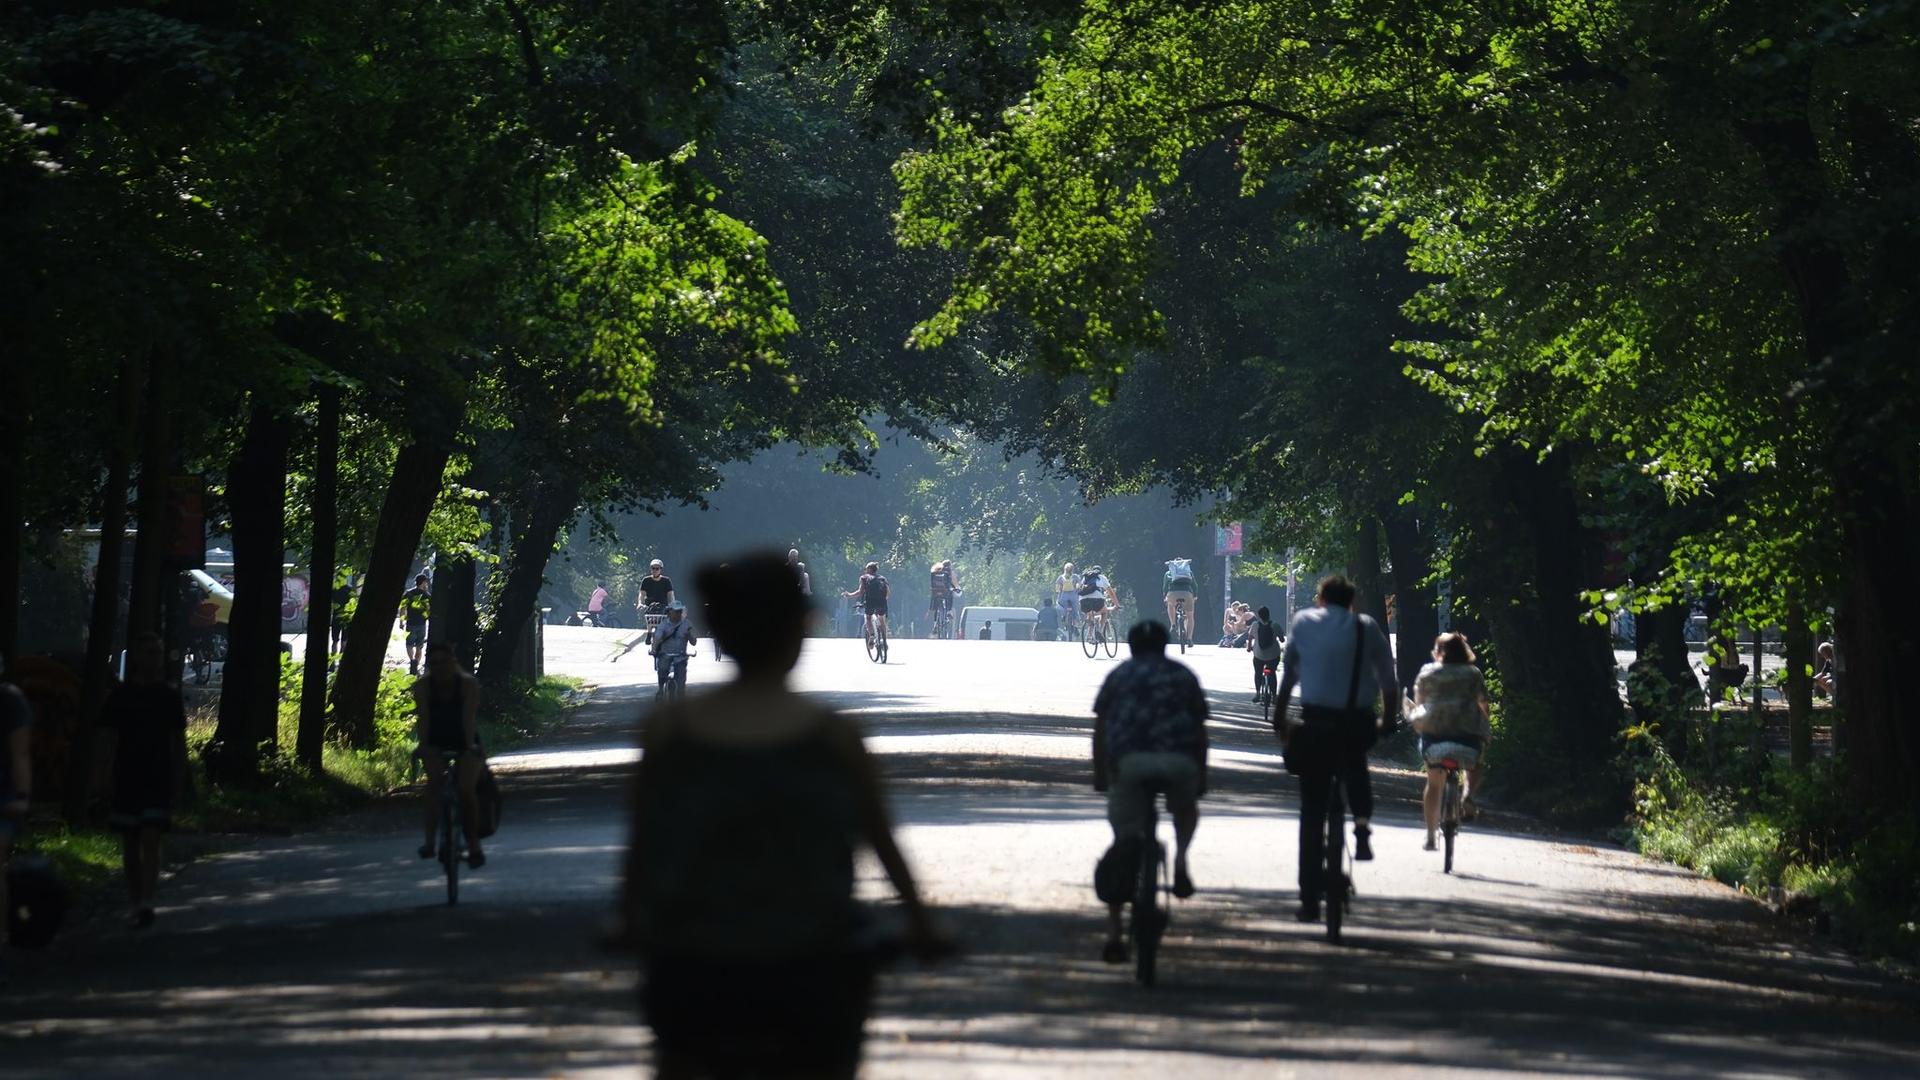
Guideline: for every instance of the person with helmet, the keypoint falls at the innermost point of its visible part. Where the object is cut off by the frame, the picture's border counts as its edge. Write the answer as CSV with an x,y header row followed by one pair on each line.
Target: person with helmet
x,y
942,587
1096,594
656,592
672,644
1177,586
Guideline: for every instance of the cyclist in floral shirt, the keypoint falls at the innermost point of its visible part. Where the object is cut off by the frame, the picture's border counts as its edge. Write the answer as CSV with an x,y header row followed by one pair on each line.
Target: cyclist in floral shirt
x,y
1150,735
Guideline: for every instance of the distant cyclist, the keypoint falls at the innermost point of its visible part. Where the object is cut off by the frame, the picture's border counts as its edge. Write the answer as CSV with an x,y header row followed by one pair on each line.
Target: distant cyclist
x,y
1064,589
1265,645
415,608
1096,594
873,591
656,589
597,603
1451,712
942,587
1340,662
1149,735
672,644
1178,589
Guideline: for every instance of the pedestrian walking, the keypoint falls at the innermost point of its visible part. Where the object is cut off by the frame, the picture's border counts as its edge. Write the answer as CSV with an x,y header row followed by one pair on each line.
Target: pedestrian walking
x,y
148,721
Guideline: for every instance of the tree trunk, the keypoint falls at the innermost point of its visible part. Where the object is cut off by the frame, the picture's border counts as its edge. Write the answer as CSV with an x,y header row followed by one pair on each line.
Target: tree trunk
x,y
1363,567
149,587
311,736
250,691
103,624
418,473
13,515
456,620
1874,490
1798,645
1560,703
1417,620
553,506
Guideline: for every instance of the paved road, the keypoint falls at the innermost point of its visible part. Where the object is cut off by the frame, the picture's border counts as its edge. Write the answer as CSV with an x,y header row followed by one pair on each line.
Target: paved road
x,y
330,954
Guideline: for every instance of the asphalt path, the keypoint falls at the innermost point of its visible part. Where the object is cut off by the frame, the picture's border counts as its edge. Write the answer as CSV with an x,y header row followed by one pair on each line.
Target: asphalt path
x,y
333,953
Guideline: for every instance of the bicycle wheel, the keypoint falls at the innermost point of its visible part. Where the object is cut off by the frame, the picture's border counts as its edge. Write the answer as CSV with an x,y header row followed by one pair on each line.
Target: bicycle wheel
x,y
1450,817
1109,640
1335,880
1180,628
1148,920
450,851
882,632
1089,638
873,644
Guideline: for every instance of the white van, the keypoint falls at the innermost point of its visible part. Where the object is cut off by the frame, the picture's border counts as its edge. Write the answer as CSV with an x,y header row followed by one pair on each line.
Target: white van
x,y
1009,623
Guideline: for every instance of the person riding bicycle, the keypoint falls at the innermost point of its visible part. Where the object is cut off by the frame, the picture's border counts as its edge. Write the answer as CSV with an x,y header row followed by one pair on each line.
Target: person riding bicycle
x,y
942,587
872,591
1340,662
1096,594
597,603
671,645
1451,712
1065,589
1264,642
1178,591
447,702
1149,735
656,592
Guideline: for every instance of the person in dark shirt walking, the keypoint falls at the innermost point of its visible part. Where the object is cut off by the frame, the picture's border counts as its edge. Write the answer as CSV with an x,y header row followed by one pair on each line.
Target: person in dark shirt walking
x,y
148,719
416,606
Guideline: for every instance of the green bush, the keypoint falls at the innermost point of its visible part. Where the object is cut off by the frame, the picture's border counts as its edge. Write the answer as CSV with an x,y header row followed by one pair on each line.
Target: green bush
x,y
1788,836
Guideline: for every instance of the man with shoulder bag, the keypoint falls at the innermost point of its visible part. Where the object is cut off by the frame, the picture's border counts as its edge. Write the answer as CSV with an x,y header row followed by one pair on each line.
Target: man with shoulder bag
x,y
1341,663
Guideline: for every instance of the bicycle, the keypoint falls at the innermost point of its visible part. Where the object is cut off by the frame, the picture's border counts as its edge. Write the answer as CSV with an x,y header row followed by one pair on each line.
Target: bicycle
x,y
1095,635
451,853
1182,631
942,623
205,648
1337,882
601,620
1148,921
674,689
876,639
1450,801
1266,695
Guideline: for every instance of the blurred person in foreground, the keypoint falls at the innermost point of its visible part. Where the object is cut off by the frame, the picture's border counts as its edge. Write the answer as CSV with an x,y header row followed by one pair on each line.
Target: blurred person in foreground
x,y
748,806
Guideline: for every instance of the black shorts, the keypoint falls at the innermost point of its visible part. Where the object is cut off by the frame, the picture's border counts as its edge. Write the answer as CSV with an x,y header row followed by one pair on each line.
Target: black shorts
x,y
879,609
1091,604
1180,585
416,634
941,603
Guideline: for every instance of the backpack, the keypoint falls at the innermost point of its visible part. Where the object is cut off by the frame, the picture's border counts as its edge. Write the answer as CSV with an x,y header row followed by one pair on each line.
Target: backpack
x,y
1264,635
1089,584
1179,568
